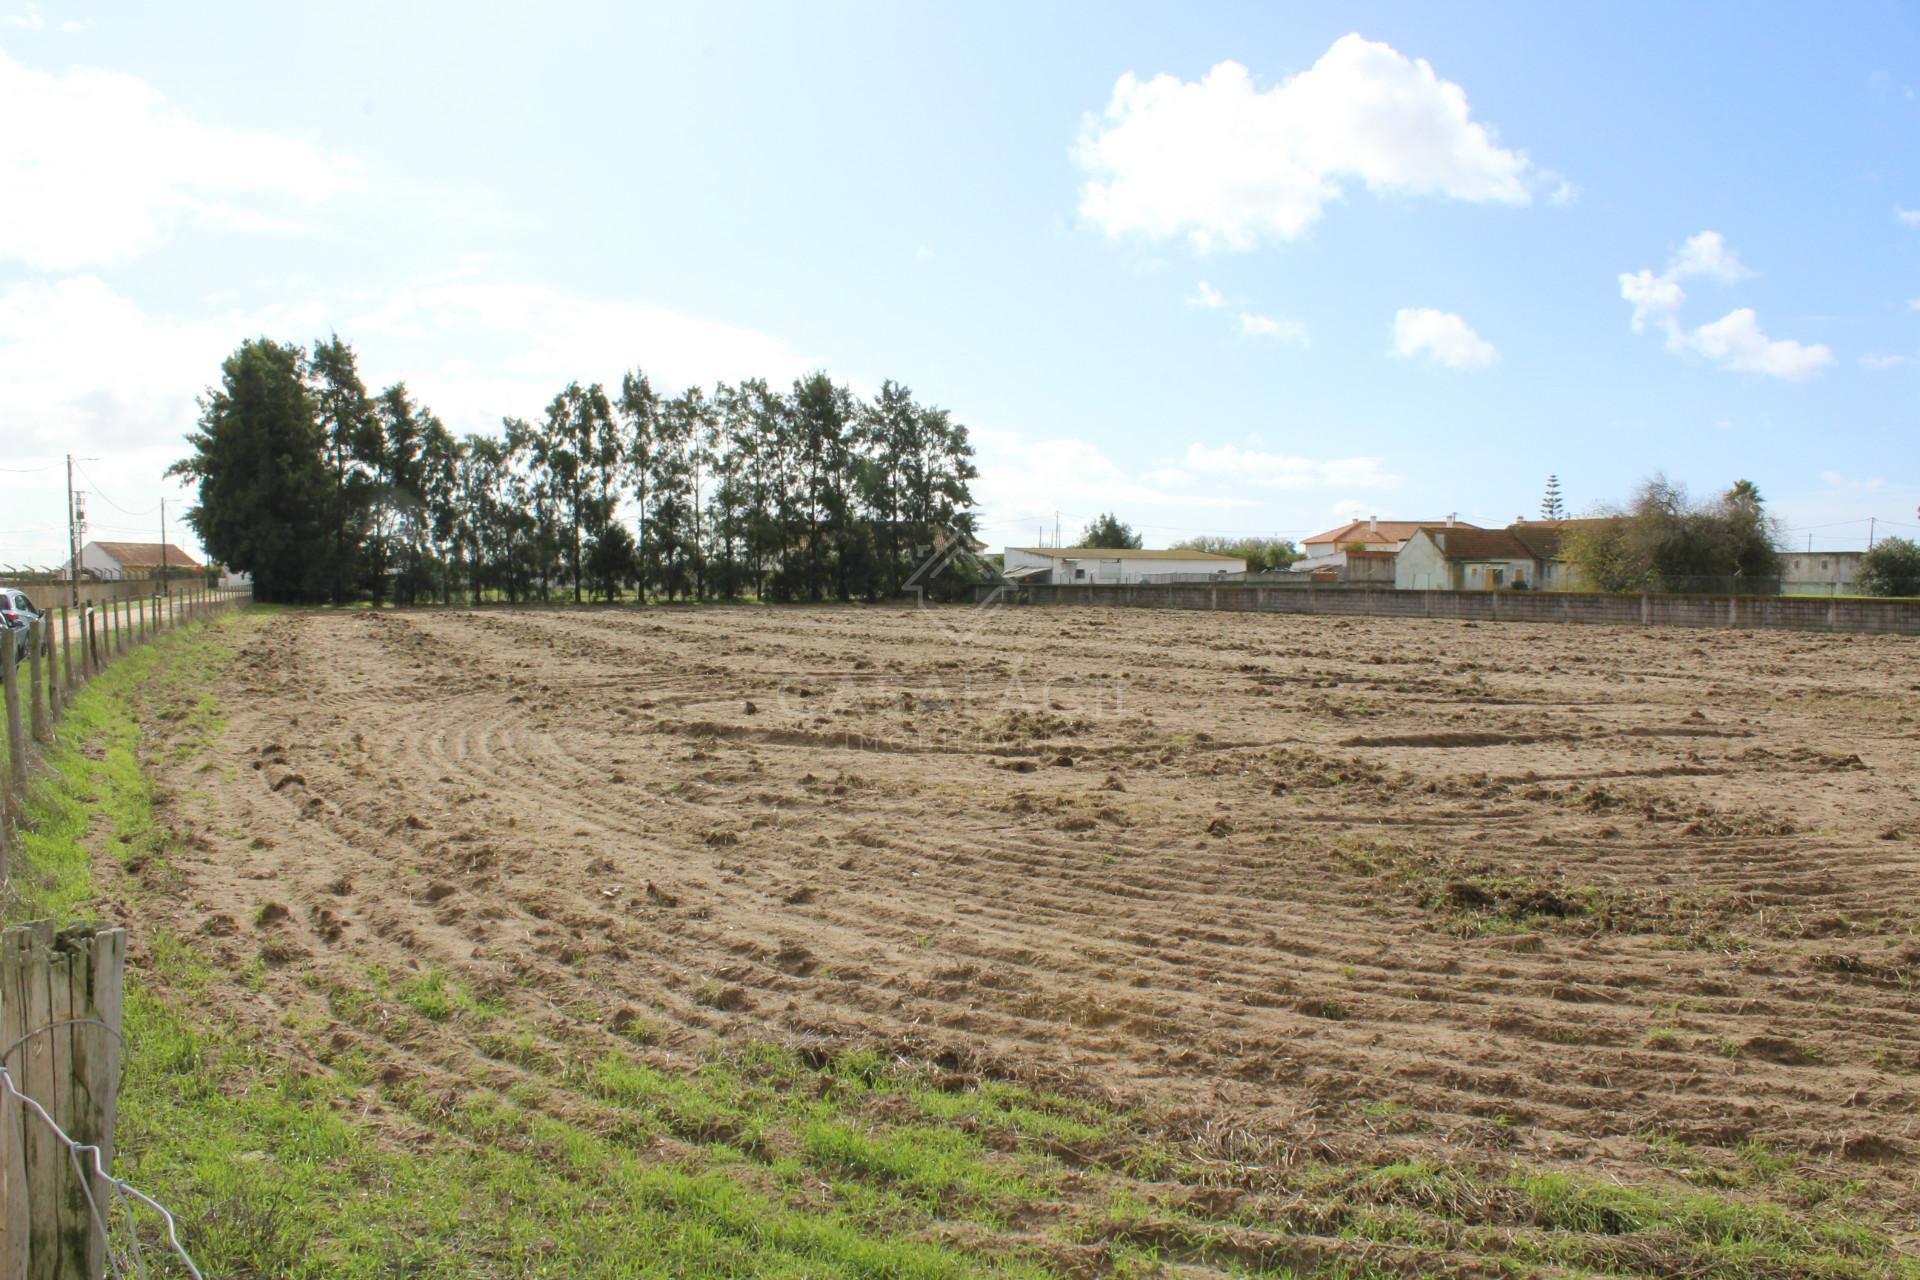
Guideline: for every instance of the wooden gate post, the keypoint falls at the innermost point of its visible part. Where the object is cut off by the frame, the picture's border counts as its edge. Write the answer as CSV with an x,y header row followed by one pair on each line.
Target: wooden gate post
x,y
36,687
60,1002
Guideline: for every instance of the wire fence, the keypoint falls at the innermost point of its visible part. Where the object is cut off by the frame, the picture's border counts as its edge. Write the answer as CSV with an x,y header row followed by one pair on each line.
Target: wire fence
x,y
117,1223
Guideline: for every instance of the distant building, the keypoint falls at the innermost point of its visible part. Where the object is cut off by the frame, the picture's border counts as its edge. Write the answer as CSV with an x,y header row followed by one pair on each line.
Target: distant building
x,y
1458,559
1526,553
1043,566
114,561
1819,573
1328,551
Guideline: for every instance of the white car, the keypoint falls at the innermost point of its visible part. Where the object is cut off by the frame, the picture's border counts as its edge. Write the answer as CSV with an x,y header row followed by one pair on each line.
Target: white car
x,y
17,613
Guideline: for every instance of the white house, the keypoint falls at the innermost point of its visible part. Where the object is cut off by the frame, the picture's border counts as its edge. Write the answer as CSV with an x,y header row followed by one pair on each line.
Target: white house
x,y
1463,559
1329,550
1041,566
1819,573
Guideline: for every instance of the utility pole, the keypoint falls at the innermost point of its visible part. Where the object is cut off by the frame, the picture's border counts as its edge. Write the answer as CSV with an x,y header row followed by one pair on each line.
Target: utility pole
x,y
73,539
1870,524
163,549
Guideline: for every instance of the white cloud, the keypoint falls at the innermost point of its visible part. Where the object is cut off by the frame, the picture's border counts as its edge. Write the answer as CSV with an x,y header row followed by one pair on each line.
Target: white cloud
x,y
1227,164
1909,216
125,416
1024,479
1654,298
1881,360
526,341
1442,337
1279,328
1840,480
519,344
31,20
1706,254
1286,471
1734,341
95,164
1657,298
1206,296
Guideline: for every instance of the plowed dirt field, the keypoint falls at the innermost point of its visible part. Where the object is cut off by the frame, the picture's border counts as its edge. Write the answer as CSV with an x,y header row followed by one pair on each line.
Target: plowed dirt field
x,y
1573,897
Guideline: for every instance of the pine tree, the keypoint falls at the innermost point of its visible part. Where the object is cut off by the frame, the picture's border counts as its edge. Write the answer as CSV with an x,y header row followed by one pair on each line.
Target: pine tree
x,y
1551,506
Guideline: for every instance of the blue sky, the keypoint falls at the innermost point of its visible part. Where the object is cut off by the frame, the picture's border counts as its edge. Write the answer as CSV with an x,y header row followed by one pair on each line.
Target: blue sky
x,y
1396,259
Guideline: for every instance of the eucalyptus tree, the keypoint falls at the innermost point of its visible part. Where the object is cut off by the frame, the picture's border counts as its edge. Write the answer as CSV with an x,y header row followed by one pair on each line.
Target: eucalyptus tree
x,y
638,410
344,414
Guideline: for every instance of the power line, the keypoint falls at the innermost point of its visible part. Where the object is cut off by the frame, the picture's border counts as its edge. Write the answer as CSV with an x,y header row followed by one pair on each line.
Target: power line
x,y
101,494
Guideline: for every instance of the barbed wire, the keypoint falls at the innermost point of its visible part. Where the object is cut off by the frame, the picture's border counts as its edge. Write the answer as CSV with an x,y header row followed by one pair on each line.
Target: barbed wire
x,y
118,1224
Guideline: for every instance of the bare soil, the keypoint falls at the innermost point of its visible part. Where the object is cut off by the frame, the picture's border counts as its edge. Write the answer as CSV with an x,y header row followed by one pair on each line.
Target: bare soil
x,y
1484,892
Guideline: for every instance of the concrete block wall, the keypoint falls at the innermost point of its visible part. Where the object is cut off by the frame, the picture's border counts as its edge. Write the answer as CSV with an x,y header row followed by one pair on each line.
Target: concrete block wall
x,y
1890,617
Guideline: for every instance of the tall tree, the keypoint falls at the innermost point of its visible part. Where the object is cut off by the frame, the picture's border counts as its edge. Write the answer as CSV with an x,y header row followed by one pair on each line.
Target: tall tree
x,y
1552,507
639,422
1109,533
264,491
345,416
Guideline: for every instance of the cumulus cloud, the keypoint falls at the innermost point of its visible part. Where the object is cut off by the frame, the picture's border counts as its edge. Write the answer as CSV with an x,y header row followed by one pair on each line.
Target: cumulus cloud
x,y
125,415
1287,471
1024,478
1706,254
520,343
1227,164
1734,341
96,164
1442,337
1206,297
525,341
1279,328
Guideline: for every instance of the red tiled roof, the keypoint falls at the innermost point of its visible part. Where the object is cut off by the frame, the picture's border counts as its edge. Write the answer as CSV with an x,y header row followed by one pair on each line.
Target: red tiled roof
x,y
1460,543
1387,530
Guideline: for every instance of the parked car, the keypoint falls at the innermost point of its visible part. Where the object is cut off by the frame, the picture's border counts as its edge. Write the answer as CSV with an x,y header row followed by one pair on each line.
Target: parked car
x,y
17,613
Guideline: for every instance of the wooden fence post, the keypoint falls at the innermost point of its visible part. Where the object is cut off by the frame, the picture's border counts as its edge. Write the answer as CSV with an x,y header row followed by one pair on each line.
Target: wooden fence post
x,y
16,730
66,659
60,1004
36,689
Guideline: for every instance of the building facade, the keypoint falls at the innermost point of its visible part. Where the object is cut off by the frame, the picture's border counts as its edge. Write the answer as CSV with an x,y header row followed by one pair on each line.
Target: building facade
x,y
1066,566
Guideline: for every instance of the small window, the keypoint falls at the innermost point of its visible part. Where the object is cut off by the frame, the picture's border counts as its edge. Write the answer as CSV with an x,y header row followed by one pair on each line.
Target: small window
x,y
1079,574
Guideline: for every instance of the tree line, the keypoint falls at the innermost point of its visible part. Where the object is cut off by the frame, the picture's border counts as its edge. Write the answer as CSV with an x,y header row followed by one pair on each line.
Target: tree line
x,y
1665,539
324,491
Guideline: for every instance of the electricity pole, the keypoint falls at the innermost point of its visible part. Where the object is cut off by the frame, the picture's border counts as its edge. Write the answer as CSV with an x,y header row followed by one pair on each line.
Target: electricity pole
x,y
163,549
1871,520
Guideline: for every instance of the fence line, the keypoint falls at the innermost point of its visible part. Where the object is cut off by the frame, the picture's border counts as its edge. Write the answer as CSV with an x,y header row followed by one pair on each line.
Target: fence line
x,y
101,632
62,1212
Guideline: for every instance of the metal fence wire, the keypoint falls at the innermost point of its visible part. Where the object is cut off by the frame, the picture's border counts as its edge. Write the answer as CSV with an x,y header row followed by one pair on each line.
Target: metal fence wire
x,y
118,1221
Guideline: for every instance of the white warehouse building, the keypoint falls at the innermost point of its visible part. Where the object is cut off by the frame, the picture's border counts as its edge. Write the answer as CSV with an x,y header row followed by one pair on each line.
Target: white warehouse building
x,y
1041,566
